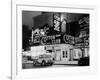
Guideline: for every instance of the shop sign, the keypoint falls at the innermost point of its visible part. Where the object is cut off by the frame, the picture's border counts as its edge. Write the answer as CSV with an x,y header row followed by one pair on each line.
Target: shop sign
x,y
68,39
86,44
84,21
45,40
36,39
53,39
56,21
78,40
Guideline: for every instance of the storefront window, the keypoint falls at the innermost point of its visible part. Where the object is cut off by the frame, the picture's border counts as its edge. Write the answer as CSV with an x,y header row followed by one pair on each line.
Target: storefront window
x,y
64,54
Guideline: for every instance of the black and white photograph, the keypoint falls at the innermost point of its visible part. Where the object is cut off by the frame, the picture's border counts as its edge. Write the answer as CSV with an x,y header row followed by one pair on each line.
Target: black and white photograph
x,y
55,39
52,41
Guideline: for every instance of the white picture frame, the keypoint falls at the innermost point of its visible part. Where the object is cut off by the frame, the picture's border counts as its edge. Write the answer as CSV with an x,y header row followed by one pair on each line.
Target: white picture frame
x,y
16,70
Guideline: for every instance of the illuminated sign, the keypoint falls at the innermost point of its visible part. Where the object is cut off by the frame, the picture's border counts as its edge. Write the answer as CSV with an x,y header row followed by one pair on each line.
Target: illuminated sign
x,y
57,21
86,44
53,39
79,40
36,39
84,21
68,39
82,42
45,40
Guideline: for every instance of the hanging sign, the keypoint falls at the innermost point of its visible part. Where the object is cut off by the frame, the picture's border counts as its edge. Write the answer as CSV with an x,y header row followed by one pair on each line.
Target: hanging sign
x,y
56,21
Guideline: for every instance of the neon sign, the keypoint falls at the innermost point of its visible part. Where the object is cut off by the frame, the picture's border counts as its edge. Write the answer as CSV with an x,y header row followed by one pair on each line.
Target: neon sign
x,y
45,40
68,39
57,21
53,39
84,21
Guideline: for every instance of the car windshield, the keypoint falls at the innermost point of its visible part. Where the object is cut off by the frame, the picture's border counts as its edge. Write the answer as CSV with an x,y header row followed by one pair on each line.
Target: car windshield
x,y
44,56
49,51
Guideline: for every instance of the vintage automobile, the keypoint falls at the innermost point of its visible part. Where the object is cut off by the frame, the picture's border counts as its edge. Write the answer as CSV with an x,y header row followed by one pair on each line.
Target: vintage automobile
x,y
43,59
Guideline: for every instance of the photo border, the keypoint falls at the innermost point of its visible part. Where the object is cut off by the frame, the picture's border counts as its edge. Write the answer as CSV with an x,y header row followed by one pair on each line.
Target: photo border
x,y
14,59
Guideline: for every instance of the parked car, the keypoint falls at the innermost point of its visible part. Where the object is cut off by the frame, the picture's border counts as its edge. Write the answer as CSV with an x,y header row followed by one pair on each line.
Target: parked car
x,y
84,61
43,60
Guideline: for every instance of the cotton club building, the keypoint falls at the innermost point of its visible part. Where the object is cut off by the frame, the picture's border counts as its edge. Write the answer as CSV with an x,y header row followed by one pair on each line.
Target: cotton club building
x,y
61,46
58,43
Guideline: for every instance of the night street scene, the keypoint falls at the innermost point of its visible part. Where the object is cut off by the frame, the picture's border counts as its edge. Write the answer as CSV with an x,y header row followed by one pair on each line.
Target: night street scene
x,y
54,39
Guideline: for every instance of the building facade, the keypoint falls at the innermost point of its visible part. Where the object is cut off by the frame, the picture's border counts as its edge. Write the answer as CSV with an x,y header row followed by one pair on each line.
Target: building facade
x,y
62,35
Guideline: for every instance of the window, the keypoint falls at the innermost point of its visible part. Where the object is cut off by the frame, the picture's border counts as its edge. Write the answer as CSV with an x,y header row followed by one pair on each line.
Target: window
x,y
63,54
66,53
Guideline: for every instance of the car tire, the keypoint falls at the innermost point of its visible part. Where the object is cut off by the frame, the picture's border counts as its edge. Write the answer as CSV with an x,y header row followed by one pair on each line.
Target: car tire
x,y
51,63
34,63
43,63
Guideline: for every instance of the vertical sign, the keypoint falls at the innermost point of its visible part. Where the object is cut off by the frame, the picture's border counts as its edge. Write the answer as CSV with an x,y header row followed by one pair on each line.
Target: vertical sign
x,y
57,21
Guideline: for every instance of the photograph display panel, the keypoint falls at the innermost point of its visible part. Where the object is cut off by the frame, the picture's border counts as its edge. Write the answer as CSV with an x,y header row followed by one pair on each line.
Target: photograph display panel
x,y
54,39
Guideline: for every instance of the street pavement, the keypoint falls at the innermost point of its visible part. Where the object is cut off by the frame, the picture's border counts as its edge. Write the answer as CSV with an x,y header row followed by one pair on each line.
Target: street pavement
x,y
30,66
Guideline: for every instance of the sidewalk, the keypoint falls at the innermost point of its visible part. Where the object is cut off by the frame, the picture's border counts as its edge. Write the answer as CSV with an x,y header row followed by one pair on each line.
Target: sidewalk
x,y
65,62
